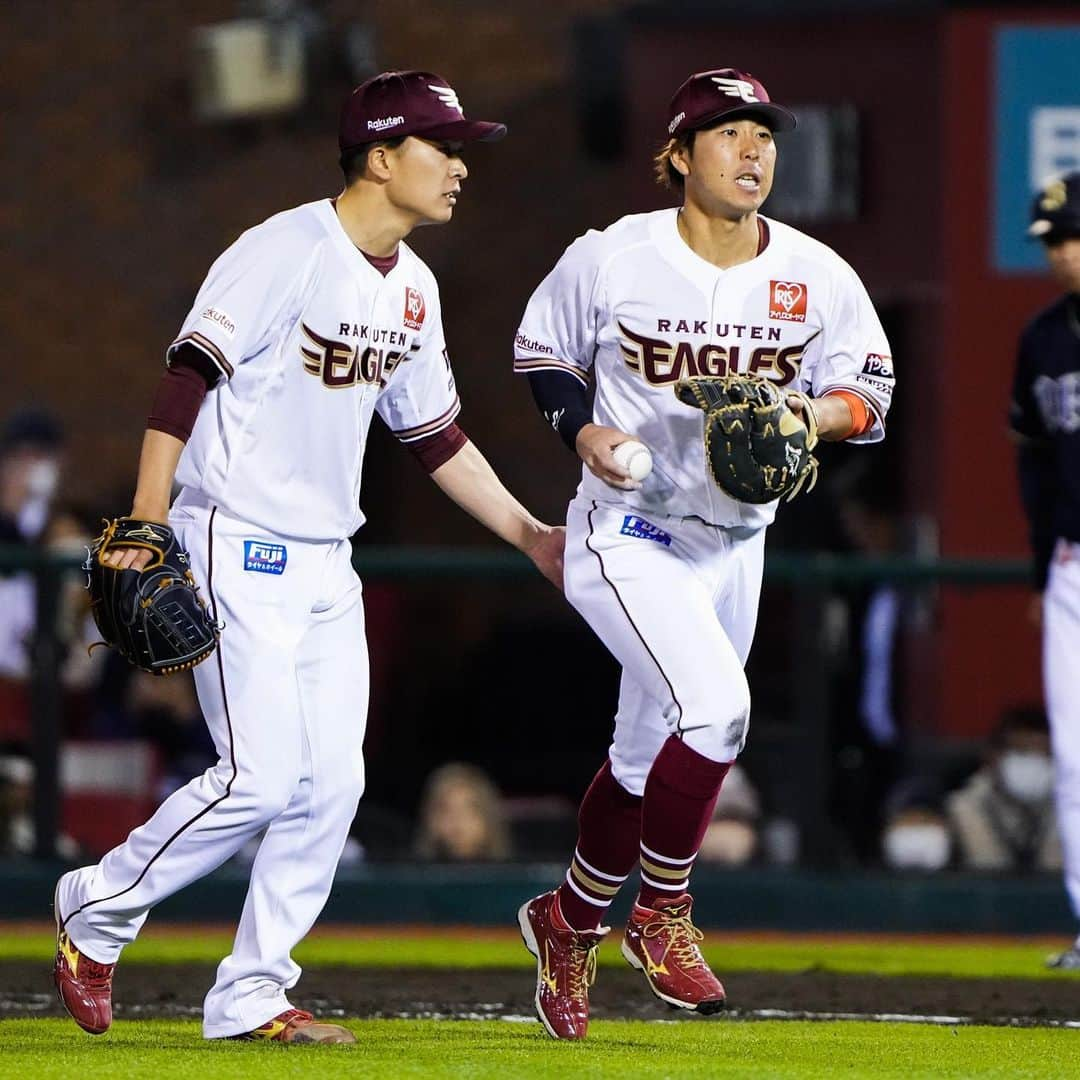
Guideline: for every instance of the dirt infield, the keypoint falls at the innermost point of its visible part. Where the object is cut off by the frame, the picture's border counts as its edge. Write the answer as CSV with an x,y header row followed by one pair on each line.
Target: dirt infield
x,y
176,990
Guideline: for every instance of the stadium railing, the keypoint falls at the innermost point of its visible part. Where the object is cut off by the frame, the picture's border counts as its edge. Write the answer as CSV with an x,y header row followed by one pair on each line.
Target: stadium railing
x,y
811,577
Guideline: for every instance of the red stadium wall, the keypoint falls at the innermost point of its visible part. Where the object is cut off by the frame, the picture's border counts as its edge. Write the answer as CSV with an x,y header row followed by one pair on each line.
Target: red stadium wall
x,y
988,649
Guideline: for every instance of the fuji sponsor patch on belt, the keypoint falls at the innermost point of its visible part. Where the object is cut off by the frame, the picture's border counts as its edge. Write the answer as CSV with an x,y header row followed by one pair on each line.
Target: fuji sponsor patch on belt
x,y
644,530
265,558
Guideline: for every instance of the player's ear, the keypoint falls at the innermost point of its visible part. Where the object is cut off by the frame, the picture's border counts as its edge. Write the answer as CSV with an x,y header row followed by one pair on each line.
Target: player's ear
x,y
680,159
379,162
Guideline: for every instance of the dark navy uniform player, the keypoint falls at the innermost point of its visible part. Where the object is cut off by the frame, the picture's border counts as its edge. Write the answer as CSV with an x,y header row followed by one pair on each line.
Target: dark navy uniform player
x,y
1045,417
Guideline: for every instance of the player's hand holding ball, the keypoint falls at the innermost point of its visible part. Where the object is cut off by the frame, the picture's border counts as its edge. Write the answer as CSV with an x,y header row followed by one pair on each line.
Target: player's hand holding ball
x,y
635,458
608,452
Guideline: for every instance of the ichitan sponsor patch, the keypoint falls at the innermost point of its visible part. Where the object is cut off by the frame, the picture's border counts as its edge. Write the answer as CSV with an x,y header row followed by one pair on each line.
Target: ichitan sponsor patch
x,y
878,364
414,309
644,530
787,301
265,558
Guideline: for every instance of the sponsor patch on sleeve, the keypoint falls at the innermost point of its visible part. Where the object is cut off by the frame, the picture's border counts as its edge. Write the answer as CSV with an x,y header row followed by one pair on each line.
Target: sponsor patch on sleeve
x,y
531,345
221,320
265,558
879,365
644,530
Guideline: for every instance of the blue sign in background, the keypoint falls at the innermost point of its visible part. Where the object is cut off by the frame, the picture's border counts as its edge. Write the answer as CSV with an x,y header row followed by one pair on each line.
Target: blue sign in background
x,y
1037,129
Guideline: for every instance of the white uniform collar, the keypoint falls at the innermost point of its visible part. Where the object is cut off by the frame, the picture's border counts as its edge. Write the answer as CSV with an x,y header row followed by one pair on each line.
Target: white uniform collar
x,y
666,236
352,255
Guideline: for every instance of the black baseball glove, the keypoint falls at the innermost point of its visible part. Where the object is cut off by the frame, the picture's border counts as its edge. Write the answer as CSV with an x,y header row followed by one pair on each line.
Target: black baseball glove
x,y
756,448
154,616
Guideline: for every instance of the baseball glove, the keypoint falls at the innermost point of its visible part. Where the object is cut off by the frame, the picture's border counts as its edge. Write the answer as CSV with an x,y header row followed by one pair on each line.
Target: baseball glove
x,y
756,448
155,616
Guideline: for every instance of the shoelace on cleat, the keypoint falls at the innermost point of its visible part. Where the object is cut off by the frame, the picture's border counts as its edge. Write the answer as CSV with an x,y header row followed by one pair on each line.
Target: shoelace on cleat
x,y
581,969
95,976
683,941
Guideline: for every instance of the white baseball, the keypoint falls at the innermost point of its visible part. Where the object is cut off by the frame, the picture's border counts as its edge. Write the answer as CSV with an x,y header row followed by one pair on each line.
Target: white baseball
x,y
635,458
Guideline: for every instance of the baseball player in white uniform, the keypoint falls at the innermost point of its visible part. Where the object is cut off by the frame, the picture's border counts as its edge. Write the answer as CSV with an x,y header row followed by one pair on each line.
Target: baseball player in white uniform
x,y
667,570
305,328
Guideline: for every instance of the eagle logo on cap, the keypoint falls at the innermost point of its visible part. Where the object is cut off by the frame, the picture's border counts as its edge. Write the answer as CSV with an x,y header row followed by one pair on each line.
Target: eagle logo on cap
x,y
739,88
448,97
1054,197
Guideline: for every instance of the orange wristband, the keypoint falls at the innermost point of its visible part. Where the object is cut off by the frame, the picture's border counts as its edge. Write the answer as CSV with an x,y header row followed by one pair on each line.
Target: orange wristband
x,y
862,419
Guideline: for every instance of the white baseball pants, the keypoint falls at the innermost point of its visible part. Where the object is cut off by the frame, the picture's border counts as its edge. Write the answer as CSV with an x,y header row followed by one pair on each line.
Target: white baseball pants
x,y
285,698
675,601
1061,665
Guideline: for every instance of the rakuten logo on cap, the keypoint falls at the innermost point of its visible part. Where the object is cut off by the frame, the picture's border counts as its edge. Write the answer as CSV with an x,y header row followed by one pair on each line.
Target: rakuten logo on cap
x,y
385,122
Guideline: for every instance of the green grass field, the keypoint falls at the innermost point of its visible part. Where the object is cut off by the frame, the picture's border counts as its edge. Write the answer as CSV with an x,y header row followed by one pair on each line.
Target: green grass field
x,y
406,1048
717,1047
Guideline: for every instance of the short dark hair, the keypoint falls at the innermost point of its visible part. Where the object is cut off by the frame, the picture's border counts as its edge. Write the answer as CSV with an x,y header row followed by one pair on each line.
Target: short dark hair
x,y
353,161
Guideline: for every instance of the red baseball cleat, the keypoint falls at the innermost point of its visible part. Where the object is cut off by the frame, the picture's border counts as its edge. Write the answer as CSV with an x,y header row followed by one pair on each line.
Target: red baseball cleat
x,y
663,943
297,1026
83,985
565,967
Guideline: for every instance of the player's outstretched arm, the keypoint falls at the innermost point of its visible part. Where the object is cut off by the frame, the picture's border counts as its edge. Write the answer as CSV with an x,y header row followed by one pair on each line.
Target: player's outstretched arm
x,y
157,467
471,482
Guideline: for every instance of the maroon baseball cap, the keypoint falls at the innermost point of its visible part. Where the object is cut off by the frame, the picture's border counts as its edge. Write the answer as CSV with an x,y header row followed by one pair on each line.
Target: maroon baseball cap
x,y
709,95
397,103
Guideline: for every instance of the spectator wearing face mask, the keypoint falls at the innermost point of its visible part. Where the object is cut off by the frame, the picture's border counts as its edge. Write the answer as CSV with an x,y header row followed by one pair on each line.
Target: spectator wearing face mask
x,y
916,834
31,450
1003,817
80,670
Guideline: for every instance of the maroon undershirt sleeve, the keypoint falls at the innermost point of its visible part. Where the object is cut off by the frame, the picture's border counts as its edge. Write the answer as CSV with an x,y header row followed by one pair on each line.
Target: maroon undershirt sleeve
x,y
181,391
438,449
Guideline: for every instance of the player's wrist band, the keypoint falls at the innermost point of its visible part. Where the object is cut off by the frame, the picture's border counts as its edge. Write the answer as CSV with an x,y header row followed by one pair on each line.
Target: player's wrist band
x,y
861,417
569,425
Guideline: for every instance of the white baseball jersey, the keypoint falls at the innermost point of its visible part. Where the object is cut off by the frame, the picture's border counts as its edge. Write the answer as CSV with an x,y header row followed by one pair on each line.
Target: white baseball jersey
x,y
637,306
310,339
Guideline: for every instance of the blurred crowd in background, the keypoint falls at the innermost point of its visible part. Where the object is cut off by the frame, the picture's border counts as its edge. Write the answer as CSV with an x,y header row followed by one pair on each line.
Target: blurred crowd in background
x,y
130,739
